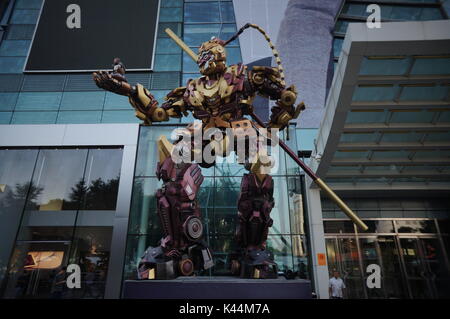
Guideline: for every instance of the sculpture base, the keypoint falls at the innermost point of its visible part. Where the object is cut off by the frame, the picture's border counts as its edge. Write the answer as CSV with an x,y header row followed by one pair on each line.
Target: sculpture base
x,y
217,288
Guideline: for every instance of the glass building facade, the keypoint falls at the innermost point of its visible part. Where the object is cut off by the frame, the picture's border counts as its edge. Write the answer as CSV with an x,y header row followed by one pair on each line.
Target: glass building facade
x,y
391,11
50,224
218,200
59,205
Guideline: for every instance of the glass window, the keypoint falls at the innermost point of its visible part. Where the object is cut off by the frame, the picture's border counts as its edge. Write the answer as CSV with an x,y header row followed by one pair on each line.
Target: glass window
x,y
5,117
226,11
424,93
279,214
196,34
11,64
233,56
16,169
167,46
171,15
281,246
202,12
189,66
336,227
416,226
444,226
81,117
24,16
341,26
401,137
355,9
431,66
14,47
171,3
366,116
52,185
90,249
165,80
167,62
378,226
175,27
34,117
8,101
358,137
419,116
119,117
83,100
33,101
147,153
20,32
227,30
28,4
373,66
143,215
61,193
101,179
337,46
116,102
375,93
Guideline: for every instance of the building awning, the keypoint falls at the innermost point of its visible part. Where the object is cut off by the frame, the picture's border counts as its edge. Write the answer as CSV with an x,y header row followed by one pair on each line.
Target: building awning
x,y
387,117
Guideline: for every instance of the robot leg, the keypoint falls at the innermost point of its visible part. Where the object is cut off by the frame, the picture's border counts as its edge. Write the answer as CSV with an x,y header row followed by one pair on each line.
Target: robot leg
x,y
255,204
182,250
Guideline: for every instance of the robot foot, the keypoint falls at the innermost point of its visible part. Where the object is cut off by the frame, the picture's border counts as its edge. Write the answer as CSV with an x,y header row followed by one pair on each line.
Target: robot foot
x,y
256,264
157,264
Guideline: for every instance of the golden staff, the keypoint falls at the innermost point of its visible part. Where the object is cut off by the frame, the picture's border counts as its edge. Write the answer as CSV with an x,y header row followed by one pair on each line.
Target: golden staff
x,y
319,182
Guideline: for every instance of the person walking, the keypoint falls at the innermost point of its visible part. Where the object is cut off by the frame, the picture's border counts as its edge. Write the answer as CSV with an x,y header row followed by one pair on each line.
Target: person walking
x,y
336,286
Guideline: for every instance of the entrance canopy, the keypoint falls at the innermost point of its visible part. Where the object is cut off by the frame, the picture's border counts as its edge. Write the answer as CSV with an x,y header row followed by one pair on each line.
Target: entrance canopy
x,y
387,116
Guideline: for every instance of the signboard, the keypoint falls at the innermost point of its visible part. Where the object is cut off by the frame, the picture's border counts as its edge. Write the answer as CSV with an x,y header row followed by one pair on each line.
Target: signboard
x,y
321,259
86,35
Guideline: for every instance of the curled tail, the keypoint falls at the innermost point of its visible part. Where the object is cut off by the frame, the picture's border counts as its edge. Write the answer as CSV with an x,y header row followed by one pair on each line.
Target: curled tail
x,y
271,45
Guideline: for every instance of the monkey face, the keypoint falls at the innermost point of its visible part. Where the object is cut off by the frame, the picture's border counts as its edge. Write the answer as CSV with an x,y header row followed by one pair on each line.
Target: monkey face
x,y
212,57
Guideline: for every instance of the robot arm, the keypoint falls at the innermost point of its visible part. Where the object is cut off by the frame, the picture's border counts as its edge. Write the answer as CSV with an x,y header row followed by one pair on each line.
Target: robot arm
x,y
142,100
147,108
268,82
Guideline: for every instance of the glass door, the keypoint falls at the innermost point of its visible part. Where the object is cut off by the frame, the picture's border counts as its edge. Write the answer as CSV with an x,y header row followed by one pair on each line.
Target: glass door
x,y
420,280
393,281
35,268
436,268
370,254
343,256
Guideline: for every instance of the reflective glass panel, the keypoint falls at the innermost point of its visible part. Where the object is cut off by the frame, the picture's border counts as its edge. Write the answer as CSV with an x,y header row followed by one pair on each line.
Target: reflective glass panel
x,y
14,47
30,101
16,169
384,66
8,101
202,12
416,226
34,117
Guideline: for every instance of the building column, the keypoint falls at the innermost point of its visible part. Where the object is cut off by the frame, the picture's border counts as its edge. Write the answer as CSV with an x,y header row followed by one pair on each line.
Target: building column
x,y
120,230
317,240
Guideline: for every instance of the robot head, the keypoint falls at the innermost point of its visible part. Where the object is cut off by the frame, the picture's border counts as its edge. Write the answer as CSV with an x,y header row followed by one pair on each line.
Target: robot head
x,y
212,57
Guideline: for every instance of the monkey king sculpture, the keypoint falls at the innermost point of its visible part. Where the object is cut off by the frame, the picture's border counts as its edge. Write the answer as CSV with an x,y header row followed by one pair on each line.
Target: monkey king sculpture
x,y
221,98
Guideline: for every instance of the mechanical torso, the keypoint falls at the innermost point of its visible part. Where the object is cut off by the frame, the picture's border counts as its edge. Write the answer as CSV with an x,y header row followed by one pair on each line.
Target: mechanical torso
x,y
220,102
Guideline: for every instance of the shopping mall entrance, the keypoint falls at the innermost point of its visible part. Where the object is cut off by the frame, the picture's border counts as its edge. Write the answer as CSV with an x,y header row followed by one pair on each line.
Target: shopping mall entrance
x,y
412,266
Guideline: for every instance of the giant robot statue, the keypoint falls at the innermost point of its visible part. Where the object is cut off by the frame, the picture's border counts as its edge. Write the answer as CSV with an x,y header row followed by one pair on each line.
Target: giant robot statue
x,y
221,98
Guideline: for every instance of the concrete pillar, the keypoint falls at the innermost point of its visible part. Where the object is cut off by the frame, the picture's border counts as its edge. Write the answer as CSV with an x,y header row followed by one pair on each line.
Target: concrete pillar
x,y
317,240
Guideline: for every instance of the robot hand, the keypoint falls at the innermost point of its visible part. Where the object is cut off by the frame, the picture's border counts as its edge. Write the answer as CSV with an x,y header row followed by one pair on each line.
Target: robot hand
x,y
106,81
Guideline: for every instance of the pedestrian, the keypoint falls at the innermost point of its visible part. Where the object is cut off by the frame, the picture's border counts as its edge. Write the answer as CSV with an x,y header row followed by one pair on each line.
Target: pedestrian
x,y
336,286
